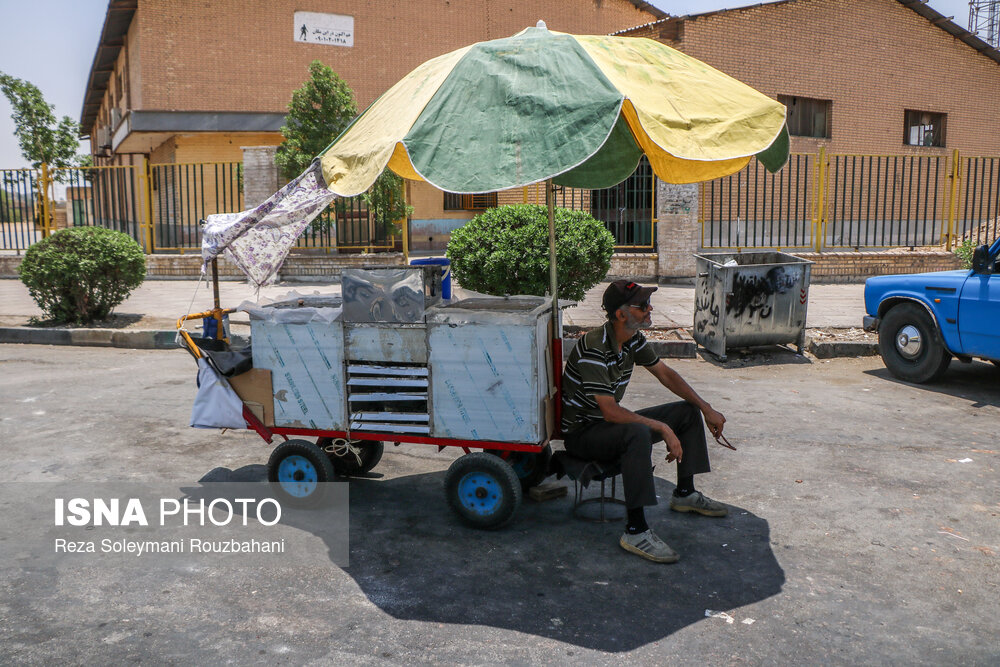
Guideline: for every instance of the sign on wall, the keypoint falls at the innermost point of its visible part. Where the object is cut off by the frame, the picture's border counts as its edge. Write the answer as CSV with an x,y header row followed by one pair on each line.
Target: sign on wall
x,y
332,29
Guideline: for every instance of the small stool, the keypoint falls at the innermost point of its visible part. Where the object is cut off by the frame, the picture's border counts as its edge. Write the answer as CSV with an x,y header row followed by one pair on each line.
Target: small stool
x,y
583,472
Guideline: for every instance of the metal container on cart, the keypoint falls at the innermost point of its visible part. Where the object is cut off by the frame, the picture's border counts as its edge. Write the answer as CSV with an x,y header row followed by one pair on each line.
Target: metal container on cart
x,y
490,362
750,298
301,342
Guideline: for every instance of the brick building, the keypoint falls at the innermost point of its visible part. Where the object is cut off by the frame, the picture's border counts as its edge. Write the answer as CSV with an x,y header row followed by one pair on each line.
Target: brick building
x,y
189,81
884,77
857,76
192,81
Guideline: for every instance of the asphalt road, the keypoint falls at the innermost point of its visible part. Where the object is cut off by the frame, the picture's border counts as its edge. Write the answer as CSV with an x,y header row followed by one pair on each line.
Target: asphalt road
x,y
863,530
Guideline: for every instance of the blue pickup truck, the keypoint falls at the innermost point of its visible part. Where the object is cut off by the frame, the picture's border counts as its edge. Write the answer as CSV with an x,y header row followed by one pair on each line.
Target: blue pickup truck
x,y
925,319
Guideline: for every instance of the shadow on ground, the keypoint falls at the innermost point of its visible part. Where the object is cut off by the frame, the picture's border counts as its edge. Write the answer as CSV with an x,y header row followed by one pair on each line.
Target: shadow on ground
x,y
767,355
547,574
976,382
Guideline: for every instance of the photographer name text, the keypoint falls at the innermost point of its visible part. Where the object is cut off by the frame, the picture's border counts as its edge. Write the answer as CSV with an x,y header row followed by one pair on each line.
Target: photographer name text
x,y
192,545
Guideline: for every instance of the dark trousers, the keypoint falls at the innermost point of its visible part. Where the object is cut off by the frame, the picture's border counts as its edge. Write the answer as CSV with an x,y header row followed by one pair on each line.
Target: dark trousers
x,y
632,445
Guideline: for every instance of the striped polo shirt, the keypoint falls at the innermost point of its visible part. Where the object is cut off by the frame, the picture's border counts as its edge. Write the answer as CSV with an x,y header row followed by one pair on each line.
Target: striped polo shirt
x,y
594,368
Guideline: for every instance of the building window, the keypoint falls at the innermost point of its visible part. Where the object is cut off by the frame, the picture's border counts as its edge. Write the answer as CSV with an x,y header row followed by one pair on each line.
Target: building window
x,y
453,202
807,117
924,128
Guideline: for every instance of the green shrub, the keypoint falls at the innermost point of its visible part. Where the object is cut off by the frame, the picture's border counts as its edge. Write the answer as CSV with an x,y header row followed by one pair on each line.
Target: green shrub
x,y
505,250
80,274
964,251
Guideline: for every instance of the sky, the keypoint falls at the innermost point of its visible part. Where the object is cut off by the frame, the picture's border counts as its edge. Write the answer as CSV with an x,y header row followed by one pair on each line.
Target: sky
x,y
51,43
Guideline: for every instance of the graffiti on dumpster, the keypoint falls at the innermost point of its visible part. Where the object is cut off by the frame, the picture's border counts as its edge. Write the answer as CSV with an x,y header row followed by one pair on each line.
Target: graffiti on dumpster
x,y
709,310
754,294
706,311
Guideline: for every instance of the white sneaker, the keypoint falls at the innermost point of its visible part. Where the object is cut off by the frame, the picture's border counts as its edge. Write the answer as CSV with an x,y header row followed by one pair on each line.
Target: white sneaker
x,y
649,546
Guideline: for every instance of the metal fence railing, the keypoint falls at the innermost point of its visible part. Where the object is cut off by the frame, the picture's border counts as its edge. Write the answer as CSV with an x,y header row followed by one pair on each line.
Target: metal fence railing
x,y
108,197
348,226
878,201
977,213
184,194
19,211
757,209
822,201
161,206
816,201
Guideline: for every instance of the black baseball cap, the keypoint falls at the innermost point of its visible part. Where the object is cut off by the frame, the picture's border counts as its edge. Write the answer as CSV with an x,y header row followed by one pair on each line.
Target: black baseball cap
x,y
622,292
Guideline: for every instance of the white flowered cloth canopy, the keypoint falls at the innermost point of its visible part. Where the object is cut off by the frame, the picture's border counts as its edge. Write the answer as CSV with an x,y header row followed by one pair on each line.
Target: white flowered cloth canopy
x,y
258,240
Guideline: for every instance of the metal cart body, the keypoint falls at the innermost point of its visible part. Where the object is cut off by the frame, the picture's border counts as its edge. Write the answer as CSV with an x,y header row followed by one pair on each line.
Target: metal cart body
x,y
391,362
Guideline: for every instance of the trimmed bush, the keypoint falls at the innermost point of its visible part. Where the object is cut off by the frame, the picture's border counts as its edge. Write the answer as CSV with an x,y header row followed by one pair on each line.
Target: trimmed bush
x,y
80,274
505,250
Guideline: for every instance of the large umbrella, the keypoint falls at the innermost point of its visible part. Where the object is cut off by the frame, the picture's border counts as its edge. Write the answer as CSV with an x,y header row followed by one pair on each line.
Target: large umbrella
x,y
572,110
579,109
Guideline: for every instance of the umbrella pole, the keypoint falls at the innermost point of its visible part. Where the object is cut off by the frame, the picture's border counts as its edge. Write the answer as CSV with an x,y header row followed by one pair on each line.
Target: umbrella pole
x,y
550,202
555,391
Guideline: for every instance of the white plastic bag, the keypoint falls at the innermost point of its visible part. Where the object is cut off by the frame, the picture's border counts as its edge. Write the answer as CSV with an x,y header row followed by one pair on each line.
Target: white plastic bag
x,y
216,405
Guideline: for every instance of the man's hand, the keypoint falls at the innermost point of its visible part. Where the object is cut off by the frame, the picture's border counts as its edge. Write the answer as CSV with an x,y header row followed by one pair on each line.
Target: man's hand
x,y
714,420
674,451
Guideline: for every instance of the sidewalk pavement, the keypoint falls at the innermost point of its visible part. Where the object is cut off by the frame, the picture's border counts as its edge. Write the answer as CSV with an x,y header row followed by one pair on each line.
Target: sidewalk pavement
x,y
157,304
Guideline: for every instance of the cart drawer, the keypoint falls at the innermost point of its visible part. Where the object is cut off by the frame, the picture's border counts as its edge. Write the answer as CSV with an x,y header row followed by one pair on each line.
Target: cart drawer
x,y
393,343
383,398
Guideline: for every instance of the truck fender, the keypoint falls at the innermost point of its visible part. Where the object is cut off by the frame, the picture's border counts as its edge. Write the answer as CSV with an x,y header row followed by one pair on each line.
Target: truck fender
x,y
892,301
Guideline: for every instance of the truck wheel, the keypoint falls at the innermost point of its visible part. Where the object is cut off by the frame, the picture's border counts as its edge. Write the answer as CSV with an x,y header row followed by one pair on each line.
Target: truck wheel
x,y
910,344
298,471
483,490
345,462
529,467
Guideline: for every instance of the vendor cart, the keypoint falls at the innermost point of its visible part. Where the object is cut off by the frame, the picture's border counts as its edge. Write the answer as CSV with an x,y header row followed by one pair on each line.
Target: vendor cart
x,y
390,361
393,363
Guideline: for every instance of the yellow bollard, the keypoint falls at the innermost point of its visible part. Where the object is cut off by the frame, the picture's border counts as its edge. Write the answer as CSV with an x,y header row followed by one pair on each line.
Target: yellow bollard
x,y
956,175
43,194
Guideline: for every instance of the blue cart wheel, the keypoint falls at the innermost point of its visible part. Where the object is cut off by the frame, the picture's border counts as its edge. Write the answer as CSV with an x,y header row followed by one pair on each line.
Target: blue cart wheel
x,y
297,470
483,490
480,492
297,476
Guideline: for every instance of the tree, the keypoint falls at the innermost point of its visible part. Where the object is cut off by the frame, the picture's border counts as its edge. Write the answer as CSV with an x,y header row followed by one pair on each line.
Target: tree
x,y
385,201
319,112
505,251
40,136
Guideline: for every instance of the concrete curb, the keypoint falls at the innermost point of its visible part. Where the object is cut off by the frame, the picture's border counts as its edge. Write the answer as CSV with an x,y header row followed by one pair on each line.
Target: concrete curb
x,y
844,348
136,340
164,339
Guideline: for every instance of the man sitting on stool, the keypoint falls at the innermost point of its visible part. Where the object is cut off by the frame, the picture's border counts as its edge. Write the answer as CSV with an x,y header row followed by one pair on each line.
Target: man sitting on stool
x,y
598,428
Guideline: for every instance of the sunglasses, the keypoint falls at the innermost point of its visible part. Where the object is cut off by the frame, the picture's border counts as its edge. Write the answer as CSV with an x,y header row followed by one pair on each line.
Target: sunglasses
x,y
646,305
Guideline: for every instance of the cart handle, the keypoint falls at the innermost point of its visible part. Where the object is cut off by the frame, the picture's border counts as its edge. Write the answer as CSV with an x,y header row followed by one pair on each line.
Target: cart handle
x,y
185,337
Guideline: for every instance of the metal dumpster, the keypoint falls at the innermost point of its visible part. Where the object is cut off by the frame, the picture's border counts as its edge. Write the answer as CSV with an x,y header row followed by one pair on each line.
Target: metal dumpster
x,y
750,298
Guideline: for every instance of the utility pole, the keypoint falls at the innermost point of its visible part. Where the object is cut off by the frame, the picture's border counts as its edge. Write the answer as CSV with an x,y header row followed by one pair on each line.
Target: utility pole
x,y
984,18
